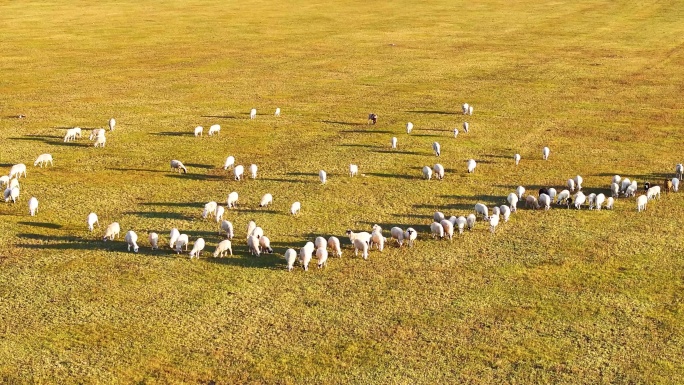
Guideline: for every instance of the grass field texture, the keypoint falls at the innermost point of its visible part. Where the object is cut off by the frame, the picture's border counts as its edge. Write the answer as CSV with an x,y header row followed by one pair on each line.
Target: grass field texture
x,y
562,296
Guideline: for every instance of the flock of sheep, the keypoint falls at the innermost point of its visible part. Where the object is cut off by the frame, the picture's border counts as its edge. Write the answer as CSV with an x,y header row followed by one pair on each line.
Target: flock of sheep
x,y
257,242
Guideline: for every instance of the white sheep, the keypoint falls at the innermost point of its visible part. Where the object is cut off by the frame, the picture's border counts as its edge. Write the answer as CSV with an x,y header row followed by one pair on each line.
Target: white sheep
x,y
545,201
438,216
470,110
461,223
253,170
496,210
631,191
112,124
436,230
177,165
250,228
675,184
353,170
238,171
224,246
334,245
305,255
609,203
378,240
72,134
552,193
614,190
199,130
320,242
100,141
290,258
4,180
466,127
591,198
481,209
512,199
17,170
265,244
397,234
624,185
277,112
616,179
578,182
295,208
427,172
323,176
252,113
173,237
641,201
448,228
266,200
531,200
220,210
493,222
230,162
599,201
154,240
562,197
456,132
471,219
258,232
471,165
92,220
505,212
653,192
580,198
11,193
43,159
411,235
679,171
516,159
13,183
362,246
33,206
181,241
453,220
436,148
112,231
253,245
209,208
322,255
466,107
96,133
363,236
227,227
214,129
131,239
393,142
545,153
571,184
409,127
231,201
520,191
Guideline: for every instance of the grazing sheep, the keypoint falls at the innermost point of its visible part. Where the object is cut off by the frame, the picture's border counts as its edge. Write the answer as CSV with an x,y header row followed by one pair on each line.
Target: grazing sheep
x,y
455,132
427,172
364,236
254,246
92,220
453,220
96,133
295,208
214,129
614,190
277,112
448,228
266,200
100,141
372,117
470,221
411,235
258,232
322,255
33,206
647,185
471,165
393,143
675,184
631,191
224,246
252,113
230,162
409,127
599,201
667,185
209,208
290,258
516,159
436,148
609,203
397,234
466,107
438,216
493,222
624,185
13,183
4,180
513,201
72,134
250,228
361,245
231,201
545,201
551,192
653,192
520,191
481,209
543,190
112,231
227,226
197,248
131,239
466,127
461,223
177,165
265,244
173,237
616,179
579,200
11,193
505,212
320,242
305,255
571,184
181,241
238,171
642,200
253,170
679,171
545,153
591,198
112,124
43,159
199,130
578,182
353,170
154,239
17,170
219,213
530,200
323,176
470,110
334,245
378,240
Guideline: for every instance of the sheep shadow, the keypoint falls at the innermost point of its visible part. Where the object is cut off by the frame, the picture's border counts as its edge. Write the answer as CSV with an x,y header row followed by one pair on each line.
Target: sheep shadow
x,y
356,145
54,242
53,140
133,169
390,151
435,112
172,133
395,176
158,215
312,174
220,116
197,165
342,123
202,177
486,199
6,164
174,204
242,258
428,135
41,224
282,180
365,132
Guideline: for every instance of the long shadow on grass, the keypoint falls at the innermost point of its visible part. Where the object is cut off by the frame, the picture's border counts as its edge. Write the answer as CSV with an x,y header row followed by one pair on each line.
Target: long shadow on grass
x,y
219,116
48,139
356,145
197,165
197,176
53,242
429,135
365,132
342,123
158,215
174,204
303,173
432,112
172,133
242,258
133,169
659,177
399,152
394,176
282,180
41,224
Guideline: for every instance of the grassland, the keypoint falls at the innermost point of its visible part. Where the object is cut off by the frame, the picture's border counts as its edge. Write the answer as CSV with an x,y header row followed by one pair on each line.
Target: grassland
x,y
553,297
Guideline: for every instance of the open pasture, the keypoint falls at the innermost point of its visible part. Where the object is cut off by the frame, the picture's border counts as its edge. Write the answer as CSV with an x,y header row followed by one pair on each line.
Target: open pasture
x,y
562,296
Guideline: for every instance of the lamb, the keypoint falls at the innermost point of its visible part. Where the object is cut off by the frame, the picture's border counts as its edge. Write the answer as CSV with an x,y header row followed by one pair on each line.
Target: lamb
x,y
131,239
520,191
219,213
353,170
112,231
409,127
624,185
579,200
361,245
230,162
609,203
675,184
679,171
482,210
461,223
250,228
4,180
448,228
378,240
578,182
177,165
254,245
614,190
253,170
592,200
322,255
320,242
17,170
398,234
112,124
393,143
265,244
305,255
470,221
438,216
372,117
199,130
209,208
599,201
466,127
470,110
471,165
154,239
642,200
252,113
364,236
100,141
571,184
12,193
631,191
214,129
266,200
224,246
493,222
411,235
43,159
238,171
334,245
227,226
532,201
436,148
96,133
33,206
545,201
653,192
427,172
506,212
258,232
516,159
290,258
72,134
295,208
181,241
173,237
323,176
231,201
455,132
545,153
513,201
92,220
466,107
277,112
